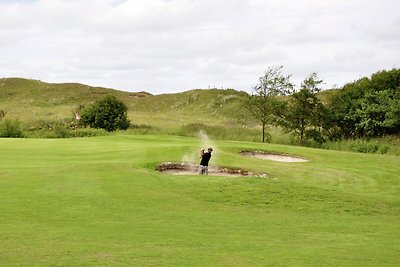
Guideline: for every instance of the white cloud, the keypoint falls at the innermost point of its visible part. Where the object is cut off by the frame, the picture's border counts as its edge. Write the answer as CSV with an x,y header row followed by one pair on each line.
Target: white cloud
x,y
167,46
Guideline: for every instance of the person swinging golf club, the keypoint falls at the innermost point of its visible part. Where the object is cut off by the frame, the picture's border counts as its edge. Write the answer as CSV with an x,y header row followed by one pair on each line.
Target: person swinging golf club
x,y
205,158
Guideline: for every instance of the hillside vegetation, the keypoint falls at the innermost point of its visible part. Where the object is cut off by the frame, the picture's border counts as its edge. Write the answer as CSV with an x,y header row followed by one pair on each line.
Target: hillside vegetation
x,y
47,110
33,100
212,107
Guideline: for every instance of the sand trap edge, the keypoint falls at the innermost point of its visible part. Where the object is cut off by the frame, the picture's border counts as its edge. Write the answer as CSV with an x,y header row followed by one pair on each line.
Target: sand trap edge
x,y
273,156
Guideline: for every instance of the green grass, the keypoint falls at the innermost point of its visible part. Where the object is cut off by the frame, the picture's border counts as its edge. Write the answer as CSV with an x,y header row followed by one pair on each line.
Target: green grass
x,y
32,100
99,202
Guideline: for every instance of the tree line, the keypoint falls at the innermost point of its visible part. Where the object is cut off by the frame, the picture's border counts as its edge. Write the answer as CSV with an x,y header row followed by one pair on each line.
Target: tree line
x,y
368,107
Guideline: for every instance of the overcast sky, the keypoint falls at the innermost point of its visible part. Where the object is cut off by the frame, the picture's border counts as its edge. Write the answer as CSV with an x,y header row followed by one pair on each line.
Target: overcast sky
x,y
165,46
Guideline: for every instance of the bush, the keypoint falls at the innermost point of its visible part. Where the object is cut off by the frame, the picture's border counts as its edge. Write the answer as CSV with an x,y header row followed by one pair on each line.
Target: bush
x,y
315,135
108,113
11,129
49,129
378,145
383,149
363,146
60,129
87,132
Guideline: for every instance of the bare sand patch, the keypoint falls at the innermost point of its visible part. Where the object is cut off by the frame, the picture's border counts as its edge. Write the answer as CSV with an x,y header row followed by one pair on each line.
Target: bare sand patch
x,y
273,157
182,168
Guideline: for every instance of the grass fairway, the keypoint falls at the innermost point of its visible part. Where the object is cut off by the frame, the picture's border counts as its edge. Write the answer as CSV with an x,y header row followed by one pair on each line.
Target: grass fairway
x,y
99,202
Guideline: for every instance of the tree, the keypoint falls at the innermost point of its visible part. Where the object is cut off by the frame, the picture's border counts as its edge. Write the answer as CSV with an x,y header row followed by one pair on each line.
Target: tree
x,y
378,109
265,103
108,113
304,115
369,106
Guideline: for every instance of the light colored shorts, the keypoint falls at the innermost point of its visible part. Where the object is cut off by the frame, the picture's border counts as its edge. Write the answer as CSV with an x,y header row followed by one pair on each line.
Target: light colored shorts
x,y
203,170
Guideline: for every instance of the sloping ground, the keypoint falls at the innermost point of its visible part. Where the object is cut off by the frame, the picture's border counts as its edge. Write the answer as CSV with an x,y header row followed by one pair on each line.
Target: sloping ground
x,y
204,106
41,94
33,100
29,100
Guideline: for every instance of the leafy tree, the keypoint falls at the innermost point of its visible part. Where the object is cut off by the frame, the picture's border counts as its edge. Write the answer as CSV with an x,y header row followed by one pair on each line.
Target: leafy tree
x,y
305,113
379,107
370,106
108,113
265,103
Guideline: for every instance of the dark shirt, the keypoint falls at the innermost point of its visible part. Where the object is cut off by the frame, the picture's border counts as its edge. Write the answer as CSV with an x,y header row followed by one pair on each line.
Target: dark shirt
x,y
205,159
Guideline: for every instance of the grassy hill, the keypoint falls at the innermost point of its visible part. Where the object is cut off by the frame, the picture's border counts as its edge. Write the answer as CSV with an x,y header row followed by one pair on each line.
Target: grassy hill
x,y
30,100
212,107
33,100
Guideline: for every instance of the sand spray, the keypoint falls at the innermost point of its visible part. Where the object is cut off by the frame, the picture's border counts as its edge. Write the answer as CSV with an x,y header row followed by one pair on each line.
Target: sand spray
x,y
205,142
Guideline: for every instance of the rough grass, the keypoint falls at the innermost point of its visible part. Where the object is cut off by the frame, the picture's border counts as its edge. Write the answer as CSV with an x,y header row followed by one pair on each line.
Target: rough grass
x,y
99,201
382,145
32,100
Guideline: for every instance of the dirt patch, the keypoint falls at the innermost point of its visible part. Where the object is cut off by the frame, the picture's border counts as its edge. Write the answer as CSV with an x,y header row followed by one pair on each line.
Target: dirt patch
x,y
182,168
273,157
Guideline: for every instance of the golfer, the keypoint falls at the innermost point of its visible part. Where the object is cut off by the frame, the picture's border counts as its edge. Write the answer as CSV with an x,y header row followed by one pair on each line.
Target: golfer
x,y
205,158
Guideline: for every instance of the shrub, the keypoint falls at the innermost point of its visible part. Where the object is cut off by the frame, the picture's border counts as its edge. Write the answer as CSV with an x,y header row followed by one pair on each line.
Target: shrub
x,y
60,129
87,132
383,149
108,113
315,135
11,129
364,147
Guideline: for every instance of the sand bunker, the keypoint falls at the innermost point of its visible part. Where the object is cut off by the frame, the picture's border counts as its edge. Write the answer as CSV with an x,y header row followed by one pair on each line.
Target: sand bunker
x,y
182,168
273,157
